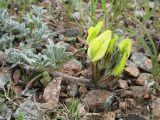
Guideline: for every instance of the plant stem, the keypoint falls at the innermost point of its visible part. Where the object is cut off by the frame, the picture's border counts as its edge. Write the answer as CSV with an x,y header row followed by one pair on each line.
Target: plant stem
x,y
95,73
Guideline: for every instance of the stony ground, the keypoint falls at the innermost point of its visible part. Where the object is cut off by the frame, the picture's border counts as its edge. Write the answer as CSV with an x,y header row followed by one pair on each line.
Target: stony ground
x,y
132,97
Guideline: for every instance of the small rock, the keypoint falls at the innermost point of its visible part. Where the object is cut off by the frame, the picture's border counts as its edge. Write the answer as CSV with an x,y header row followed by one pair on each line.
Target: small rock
x,y
142,61
142,78
73,32
132,71
29,110
155,107
122,84
137,90
109,116
72,90
51,93
95,99
72,67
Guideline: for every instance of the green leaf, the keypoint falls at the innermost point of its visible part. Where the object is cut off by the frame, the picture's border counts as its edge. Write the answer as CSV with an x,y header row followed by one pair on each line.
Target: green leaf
x,y
119,68
112,44
124,47
94,31
99,45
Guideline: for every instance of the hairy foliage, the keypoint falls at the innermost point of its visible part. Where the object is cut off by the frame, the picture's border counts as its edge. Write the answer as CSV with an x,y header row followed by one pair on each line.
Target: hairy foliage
x,y
30,35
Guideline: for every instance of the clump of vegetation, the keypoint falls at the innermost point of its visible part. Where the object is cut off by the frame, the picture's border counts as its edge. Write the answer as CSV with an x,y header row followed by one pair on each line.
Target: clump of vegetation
x,y
30,35
108,59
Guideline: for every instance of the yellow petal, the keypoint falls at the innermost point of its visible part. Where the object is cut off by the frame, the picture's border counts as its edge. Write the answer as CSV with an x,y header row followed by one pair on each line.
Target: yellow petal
x,y
120,66
125,46
112,44
94,31
98,46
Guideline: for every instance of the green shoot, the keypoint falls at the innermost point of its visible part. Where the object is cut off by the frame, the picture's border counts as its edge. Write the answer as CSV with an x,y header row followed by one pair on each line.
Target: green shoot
x,y
93,8
103,51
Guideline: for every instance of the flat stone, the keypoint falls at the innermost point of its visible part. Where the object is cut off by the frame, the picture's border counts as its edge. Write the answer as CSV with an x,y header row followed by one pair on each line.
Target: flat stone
x,y
155,107
142,78
122,84
132,71
29,110
95,99
142,61
51,93
137,90
73,32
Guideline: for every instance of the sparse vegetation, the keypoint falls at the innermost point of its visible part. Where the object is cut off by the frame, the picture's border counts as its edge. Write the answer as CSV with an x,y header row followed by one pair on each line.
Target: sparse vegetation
x,y
79,59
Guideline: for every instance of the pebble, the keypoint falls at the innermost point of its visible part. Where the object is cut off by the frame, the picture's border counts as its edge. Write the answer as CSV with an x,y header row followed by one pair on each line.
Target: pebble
x,y
142,61
29,106
95,99
122,84
132,71
137,90
142,78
